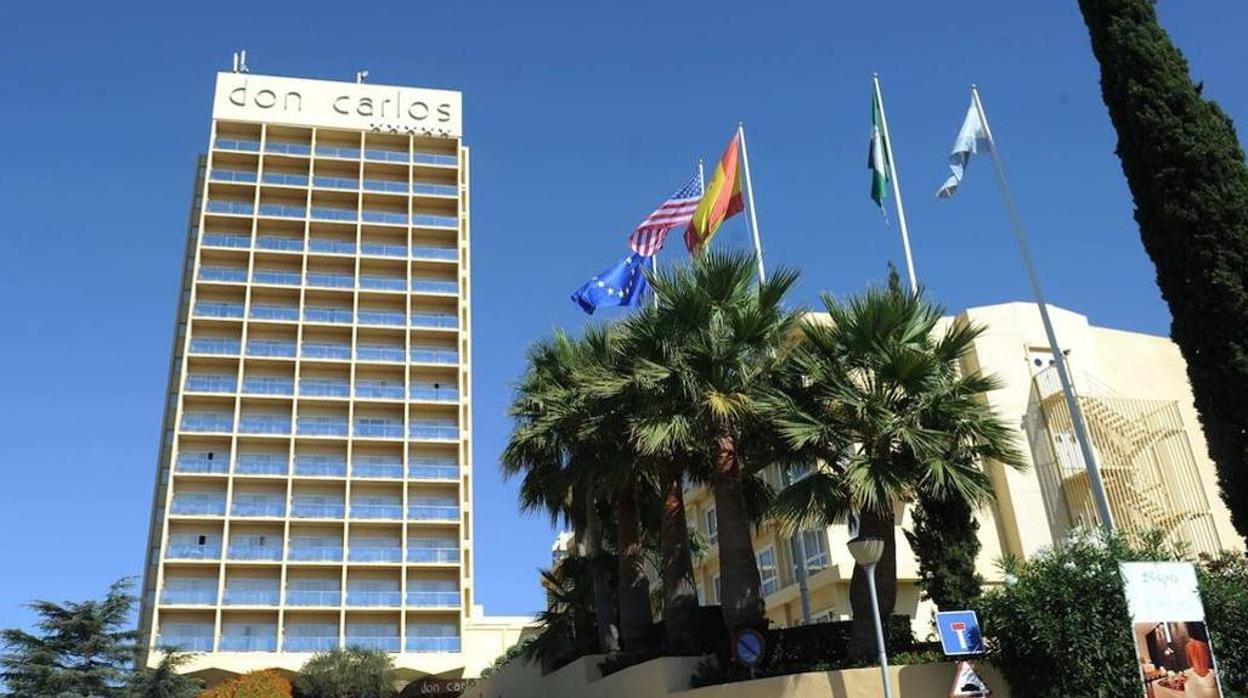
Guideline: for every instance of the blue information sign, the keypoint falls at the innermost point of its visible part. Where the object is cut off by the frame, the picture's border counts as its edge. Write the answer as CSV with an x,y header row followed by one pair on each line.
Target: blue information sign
x,y
959,632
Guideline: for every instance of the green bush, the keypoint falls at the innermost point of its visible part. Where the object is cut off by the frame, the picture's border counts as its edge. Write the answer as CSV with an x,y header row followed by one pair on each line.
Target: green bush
x,y
351,673
1224,590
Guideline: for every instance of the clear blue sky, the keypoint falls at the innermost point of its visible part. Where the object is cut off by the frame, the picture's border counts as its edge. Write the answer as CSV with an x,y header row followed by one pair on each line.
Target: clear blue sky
x,y
582,116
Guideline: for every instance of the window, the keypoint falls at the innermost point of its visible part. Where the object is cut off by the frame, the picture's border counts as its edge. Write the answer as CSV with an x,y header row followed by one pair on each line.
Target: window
x,y
816,548
767,571
712,526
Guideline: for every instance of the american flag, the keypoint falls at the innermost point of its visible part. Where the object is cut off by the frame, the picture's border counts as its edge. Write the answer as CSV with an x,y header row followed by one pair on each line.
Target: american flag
x,y
649,237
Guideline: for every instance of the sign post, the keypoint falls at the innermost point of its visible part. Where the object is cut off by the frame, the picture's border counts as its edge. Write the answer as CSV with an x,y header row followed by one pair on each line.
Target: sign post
x,y
960,637
748,647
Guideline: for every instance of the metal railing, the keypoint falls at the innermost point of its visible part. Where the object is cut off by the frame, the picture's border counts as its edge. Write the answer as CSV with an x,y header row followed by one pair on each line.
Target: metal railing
x,y
381,249
272,311
226,240
287,147
300,597
433,430
365,387
381,317
251,597
335,182
201,463
329,315
258,508
248,644
316,425
383,283
189,597
243,144
254,552
332,213
377,466
398,186
433,471
279,242
316,511
194,552
379,352
326,350
432,355
282,210
373,598
331,246
430,220
276,277
206,421
435,189
376,511
215,345
435,252
434,158
268,385
193,505
245,176
238,208
271,347
433,599
433,555
285,179
332,151
435,285
432,644
304,553
325,387
264,424
210,383
432,513
223,309
261,464
331,279
369,554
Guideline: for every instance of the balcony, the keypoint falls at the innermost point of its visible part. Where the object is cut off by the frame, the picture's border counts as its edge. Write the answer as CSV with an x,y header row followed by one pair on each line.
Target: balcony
x,y
377,467
258,506
434,355
269,385
190,597
435,320
384,389
282,210
210,383
385,155
432,644
435,159
357,597
437,556
376,511
264,424
287,147
379,428
383,644
217,346
316,510
335,182
333,213
237,208
325,387
207,422
435,286
274,348
433,469
255,552
314,553
435,430
433,512
331,279
191,462
226,274
309,644
274,311
383,283
431,392
371,554
251,597
279,242
433,599
243,176
191,551
234,240
381,249
191,504
240,144
320,425
219,309
276,277
261,464
387,217
248,644
186,643
394,186
435,252
327,315
284,179
334,151
379,352
326,350
299,597
331,246
429,220
390,318
432,189
314,465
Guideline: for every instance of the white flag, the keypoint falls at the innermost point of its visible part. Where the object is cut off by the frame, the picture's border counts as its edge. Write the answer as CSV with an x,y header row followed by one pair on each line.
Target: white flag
x,y
972,139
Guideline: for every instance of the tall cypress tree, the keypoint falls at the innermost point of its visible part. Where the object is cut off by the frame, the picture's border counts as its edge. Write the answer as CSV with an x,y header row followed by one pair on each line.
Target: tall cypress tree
x,y
1187,175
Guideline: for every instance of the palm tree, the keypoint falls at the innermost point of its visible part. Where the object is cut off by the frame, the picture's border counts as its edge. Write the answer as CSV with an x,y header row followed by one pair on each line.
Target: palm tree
x,y
877,395
703,357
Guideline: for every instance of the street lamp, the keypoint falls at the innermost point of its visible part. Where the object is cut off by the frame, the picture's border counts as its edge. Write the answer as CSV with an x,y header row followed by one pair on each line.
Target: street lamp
x,y
867,551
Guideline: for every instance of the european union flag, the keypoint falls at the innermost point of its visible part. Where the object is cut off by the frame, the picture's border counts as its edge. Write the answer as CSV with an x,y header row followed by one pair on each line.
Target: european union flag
x,y
622,284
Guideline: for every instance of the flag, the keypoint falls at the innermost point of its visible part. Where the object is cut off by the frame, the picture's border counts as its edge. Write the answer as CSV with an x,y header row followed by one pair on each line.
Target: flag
x,y
721,200
649,237
877,156
972,139
622,285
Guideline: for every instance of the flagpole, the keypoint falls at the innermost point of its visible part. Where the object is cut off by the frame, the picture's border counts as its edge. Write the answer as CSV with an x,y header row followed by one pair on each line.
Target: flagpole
x,y
749,194
892,174
1059,359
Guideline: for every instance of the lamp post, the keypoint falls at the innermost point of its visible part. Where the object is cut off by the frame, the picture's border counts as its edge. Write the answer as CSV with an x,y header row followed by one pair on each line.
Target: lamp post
x,y
867,551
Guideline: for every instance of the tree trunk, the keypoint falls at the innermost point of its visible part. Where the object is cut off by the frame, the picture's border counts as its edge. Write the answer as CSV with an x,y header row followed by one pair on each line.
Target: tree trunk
x,y
680,600
862,640
604,608
741,599
634,589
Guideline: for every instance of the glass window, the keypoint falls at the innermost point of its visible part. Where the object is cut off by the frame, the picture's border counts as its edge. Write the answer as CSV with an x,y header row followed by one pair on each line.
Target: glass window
x,y
767,571
712,526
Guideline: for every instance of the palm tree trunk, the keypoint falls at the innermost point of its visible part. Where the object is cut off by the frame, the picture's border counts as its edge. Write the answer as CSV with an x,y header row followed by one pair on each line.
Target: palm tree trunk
x,y
604,608
862,639
741,600
680,600
634,589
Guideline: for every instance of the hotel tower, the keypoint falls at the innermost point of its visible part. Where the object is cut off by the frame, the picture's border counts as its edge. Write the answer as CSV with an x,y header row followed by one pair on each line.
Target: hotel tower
x,y
314,482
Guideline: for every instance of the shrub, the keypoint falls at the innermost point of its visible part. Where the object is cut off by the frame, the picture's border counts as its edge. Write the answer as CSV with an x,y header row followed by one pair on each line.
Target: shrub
x,y
1224,590
351,673
255,684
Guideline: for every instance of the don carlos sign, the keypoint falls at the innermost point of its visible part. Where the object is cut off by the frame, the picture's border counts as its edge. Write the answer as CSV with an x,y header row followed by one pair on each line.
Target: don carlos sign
x,y
381,108
442,688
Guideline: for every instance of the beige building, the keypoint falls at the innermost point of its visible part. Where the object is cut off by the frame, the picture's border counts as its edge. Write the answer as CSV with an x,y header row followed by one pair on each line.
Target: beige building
x,y
315,471
1136,399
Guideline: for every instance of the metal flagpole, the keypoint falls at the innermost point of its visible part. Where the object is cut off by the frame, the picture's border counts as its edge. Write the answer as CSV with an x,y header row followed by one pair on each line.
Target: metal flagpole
x,y
1059,359
749,194
892,174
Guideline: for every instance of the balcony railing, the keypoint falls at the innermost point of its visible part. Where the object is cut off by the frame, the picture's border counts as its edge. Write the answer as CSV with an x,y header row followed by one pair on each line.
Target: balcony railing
x,y
436,320
261,464
329,315
238,208
435,286
382,249
388,217
320,466
333,151
299,597
303,553
258,508
397,186
432,355
255,552
376,511
326,350
379,352
209,383
382,644
189,597
365,466
432,644
435,189
227,274
245,176
221,346
316,511
429,220
283,210
226,240
433,470
309,644
332,246
190,505
194,552
325,387
383,283
271,347
287,147
248,644
385,155
433,599
335,182
376,554
435,252
331,213
243,144
373,598
431,393
186,643
433,555
434,159
379,429
223,309
432,513
381,317
285,179
322,426
201,463
392,390
433,430
276,277
264,424
331,279
251,597
272,311
207,422
269,385
279,242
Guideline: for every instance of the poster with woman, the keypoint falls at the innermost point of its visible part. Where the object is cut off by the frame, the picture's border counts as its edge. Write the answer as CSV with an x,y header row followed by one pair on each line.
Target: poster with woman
x,y
1168,627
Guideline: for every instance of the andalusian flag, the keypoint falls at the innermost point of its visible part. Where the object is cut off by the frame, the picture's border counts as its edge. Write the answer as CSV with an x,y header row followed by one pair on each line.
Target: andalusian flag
x,y
877,157
721,200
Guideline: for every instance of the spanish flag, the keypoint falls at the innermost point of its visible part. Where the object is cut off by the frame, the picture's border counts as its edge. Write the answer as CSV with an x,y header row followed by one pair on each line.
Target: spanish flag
x,y
721,200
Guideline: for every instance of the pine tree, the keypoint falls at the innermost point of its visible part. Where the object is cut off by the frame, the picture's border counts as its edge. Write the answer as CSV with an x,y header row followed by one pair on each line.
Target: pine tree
x,y
80,648
1186,171
945,540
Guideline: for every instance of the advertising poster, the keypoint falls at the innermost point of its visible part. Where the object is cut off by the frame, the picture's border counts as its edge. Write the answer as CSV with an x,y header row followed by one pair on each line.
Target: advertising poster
x,y
1168,626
